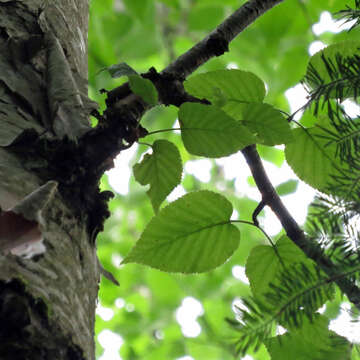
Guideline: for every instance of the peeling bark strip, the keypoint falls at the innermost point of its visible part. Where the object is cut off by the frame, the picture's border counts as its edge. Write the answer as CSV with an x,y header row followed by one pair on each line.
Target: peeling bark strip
x,y
69,120
21,226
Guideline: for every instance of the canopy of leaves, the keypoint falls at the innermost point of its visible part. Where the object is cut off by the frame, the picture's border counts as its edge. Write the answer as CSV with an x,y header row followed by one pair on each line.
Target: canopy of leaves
x,y
271,54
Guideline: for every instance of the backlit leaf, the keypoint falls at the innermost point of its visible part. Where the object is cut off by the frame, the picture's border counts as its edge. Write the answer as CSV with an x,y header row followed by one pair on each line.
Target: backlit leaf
x,y
236,86
144,88
312,158
191,235
287,187
162,170
269,125
208,131
312,341
264,264
330,54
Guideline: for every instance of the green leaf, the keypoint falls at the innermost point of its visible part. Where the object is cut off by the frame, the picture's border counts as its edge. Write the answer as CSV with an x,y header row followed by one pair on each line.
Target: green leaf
x,y
312,341
205,17
236,86
191,235
205,351
347,48
287,187
172,3
312,158
267,123
263,264
208,131
162,170
272,154
144,88
121,69
355,354
138,8
219,99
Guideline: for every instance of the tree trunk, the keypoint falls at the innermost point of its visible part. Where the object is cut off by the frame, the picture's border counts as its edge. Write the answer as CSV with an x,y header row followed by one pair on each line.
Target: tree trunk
x,y
49,272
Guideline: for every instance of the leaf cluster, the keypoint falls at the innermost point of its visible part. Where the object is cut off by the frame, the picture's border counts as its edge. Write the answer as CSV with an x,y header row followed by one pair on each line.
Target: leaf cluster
x,y
196,233
326,157
177,239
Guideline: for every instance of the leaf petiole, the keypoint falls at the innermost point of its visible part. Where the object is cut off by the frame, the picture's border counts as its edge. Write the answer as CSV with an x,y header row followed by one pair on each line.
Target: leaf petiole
x,y
161,130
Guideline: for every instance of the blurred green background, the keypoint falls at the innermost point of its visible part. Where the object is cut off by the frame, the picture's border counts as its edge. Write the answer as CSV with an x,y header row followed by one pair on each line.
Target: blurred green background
x,y
154,315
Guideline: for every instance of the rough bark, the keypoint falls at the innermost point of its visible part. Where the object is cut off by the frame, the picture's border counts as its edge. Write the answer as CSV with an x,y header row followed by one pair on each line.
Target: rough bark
x,y
50,165
49,272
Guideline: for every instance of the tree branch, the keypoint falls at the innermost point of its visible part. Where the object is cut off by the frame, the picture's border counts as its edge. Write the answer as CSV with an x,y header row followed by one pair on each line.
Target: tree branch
x,y
216,43
294,232
124,109
119,126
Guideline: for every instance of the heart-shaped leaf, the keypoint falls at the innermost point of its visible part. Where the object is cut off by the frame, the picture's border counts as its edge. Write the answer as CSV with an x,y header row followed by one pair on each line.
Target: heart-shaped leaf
x,y
191,235
162,170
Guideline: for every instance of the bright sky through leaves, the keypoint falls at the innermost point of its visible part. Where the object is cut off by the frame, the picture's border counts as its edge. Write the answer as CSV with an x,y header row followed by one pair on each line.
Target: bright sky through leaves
x,y
190,308
327,23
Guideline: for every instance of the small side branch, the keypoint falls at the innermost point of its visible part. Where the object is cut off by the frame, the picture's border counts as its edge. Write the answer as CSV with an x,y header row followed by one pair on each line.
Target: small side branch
x,y
269,195
257,211
293,230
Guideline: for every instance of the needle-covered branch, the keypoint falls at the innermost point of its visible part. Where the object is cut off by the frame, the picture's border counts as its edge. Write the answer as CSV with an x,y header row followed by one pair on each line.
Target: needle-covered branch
x,y
293,230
